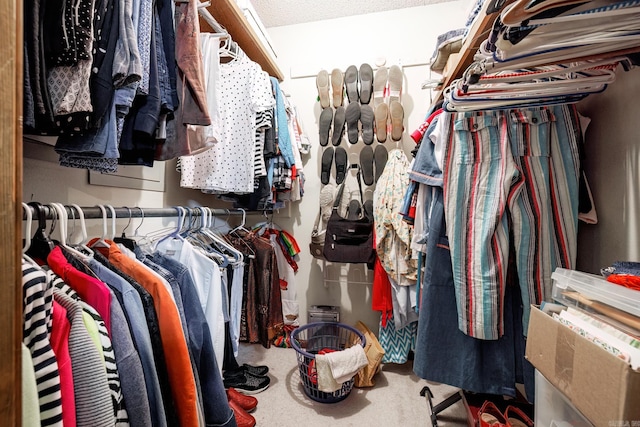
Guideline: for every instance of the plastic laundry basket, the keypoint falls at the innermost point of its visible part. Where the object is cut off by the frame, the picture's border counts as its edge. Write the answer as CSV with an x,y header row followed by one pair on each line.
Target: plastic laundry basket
x,y
309,340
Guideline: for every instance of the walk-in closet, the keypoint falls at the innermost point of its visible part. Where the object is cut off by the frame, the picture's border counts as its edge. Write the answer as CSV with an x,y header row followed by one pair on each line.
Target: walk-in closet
x,y
248,212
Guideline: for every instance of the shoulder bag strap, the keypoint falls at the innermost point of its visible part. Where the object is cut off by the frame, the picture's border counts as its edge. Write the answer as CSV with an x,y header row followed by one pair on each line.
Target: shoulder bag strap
x,y
338,198
316,226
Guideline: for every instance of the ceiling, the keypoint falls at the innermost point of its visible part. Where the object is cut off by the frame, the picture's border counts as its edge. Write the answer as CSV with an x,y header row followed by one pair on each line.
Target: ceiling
x,y
276,13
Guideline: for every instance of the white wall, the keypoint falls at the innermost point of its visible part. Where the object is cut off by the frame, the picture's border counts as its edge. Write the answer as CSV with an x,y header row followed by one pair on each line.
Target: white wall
x,y
613,165
45,181
403,37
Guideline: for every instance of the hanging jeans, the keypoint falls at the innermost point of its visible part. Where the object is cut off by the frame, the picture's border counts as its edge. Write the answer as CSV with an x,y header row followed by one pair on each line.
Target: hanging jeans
x,y
445,354
509,173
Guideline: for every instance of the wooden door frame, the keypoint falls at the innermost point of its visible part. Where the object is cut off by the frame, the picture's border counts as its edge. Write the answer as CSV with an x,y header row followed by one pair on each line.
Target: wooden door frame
x,y
10,211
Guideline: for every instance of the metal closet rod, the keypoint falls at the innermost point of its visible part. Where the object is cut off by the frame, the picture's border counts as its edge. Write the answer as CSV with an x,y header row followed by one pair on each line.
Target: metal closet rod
x,y
94,212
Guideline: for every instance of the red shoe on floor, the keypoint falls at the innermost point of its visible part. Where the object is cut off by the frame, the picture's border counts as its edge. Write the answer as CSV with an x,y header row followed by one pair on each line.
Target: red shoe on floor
x,y
243,418
248,403
490,416
517,418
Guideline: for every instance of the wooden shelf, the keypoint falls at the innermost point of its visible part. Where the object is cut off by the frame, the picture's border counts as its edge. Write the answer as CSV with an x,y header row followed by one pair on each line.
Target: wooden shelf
x,y
478,32
230,16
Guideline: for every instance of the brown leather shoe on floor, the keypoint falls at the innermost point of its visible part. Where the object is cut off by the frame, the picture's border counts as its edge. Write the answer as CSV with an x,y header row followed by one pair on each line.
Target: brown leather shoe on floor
x,y
248,403
243,418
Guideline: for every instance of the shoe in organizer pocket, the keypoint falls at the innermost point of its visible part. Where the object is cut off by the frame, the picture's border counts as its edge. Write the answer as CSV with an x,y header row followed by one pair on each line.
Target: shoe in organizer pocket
x,y
368,209
352,116
365,76
354,210
395,83
324,125
396,113
366,164
322,83
379,85
339,120
380,156
367,119
337,87
381,116
325,165
341,164
351,83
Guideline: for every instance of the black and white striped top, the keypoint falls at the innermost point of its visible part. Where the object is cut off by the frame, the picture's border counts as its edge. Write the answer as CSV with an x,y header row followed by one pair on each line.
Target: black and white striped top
x,y
37,308
113,376
91,389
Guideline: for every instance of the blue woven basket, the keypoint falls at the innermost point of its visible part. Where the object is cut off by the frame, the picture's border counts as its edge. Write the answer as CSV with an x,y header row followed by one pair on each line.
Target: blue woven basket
x,y
308,340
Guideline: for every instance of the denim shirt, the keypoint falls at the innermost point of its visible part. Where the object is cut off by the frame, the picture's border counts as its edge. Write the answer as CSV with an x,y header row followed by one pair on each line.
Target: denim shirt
x,y
216,406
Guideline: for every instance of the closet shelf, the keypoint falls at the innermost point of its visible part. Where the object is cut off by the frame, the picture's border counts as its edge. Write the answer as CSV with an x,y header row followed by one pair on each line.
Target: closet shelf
x,y
478,32
230,16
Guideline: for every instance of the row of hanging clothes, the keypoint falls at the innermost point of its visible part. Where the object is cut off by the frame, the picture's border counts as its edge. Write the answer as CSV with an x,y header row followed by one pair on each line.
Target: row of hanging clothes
x,y
123,82
140,330
257,133
495,190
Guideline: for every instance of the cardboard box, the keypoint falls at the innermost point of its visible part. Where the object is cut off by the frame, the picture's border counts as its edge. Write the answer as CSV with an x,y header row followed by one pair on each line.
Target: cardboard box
x,y
602,387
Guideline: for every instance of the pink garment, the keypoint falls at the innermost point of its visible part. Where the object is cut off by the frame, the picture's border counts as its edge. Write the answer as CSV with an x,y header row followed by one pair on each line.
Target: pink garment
x,y
60,327
91,290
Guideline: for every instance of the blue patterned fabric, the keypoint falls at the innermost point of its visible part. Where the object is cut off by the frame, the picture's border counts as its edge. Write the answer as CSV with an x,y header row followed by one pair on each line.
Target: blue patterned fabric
x,y
397,343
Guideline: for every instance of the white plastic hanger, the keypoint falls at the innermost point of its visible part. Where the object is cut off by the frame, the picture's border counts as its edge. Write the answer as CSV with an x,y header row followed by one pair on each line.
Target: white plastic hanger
x,y
101,242
27,227
84,238
25,248
63,221
113,222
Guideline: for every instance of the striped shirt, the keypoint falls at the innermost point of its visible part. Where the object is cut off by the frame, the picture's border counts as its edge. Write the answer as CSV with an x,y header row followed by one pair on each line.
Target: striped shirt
x,y
113,377
93,399
37,308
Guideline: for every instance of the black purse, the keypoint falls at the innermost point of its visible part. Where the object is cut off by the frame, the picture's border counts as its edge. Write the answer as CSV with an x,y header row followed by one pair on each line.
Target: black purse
x,y
349,240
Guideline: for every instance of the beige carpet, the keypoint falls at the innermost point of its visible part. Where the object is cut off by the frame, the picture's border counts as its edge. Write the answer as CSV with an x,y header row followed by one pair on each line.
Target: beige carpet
x,y
394,401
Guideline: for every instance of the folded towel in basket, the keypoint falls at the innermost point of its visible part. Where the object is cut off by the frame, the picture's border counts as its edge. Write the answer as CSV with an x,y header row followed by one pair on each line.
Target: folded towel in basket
x,y
338,367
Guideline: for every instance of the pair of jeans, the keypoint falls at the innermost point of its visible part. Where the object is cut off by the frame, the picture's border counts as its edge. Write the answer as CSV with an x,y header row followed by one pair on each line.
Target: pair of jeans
x,y
444,353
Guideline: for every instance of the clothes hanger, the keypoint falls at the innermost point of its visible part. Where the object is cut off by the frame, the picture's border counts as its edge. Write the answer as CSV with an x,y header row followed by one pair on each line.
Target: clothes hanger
x,y
220,239
206,243
41,243
474,73
27,228
524,86
568,41
219,243
112,235
123,239
262,226
573,83
136,233
84,238
63,227
101,243
27,244
175,235
242,223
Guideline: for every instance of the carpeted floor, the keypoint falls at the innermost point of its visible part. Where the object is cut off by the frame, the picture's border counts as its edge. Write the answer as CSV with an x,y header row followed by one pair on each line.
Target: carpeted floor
x,y
394,401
